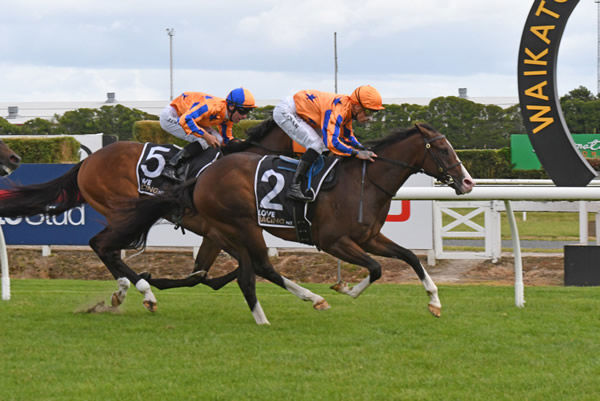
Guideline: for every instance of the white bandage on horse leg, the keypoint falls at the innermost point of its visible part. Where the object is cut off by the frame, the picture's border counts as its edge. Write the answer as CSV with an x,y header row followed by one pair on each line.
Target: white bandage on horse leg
x,y
301,292
360,287
259,314
432,290
144,287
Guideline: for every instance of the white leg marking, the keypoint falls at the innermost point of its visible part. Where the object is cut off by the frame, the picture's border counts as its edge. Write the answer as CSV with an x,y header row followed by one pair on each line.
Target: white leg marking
x,y
144,287
432,290
119,296
360,287
301,292
259,315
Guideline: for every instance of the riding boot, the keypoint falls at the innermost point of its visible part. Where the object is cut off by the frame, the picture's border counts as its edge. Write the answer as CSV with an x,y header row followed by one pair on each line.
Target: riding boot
x,y
188,152
295,190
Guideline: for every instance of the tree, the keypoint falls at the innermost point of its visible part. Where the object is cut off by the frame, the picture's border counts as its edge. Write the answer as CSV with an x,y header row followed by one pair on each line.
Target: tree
x,y
7,128
111,120
581,93
39,126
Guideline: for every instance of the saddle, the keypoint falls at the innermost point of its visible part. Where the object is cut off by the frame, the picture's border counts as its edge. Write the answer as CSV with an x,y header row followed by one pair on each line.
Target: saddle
x,y
274,175
154,158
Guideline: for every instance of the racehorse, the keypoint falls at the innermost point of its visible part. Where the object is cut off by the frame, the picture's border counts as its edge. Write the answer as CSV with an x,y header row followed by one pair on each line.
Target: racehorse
x,y
9,160
230,222
108,178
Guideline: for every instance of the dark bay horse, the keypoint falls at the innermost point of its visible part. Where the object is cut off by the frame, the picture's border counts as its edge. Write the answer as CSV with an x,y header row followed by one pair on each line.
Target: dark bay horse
x,y
225,215
108,178
9,160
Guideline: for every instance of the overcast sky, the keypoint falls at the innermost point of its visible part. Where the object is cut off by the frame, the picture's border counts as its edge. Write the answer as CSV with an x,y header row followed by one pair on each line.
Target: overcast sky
x,y
80,49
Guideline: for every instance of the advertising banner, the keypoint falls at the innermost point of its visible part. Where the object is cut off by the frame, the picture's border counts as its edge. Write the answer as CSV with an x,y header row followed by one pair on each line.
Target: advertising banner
x,y
409,223
74,227
523,155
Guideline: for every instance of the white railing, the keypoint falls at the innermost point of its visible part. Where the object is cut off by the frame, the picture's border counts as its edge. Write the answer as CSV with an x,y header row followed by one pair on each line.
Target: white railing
x,y
507,194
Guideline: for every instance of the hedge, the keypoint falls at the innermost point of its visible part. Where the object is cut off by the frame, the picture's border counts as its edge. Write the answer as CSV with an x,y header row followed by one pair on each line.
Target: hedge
x,y
45,150
150,131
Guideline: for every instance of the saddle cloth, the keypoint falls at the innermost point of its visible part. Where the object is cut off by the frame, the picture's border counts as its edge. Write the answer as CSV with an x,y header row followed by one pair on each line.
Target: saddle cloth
x,y
152,162
273,177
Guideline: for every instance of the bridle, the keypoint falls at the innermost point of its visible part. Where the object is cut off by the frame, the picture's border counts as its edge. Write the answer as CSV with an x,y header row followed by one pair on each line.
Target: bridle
x,y
444,177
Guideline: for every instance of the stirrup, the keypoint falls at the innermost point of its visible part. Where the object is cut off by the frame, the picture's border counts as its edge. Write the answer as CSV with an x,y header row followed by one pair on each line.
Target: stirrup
x,y
170,172
295,192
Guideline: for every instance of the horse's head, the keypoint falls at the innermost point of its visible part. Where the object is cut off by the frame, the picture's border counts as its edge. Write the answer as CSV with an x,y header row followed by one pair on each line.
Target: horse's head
x,y
9,160
442,162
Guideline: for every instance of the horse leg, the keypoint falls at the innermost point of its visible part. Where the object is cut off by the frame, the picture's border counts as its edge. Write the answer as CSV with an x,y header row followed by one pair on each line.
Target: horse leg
x,y
247,282
207,254
263,267
383,246
349,251
123,273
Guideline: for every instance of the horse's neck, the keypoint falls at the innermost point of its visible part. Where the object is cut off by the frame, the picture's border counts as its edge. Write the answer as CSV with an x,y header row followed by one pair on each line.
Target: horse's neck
x,y
390,176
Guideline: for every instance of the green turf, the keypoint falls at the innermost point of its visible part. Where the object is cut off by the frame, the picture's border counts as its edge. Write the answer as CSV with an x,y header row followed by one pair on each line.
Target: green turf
x,y
204,345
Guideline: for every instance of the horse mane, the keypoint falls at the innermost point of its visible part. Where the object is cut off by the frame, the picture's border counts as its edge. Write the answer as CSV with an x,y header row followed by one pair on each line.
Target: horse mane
x,y
393,137
253,136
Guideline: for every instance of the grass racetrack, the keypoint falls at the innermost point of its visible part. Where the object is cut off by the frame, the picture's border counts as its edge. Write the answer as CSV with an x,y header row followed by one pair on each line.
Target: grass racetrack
x,y
204,345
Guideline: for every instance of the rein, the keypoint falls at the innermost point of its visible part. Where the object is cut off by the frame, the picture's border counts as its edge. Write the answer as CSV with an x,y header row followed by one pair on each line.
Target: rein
x,y
444,175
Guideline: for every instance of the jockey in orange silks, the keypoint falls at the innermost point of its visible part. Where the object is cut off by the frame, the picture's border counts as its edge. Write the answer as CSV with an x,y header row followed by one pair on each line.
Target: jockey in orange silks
x,y
322,121
204,120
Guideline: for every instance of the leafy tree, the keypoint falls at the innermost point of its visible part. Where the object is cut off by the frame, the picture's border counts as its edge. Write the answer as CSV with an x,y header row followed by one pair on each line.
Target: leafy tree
x,y
581,93
111,120
39,126
7,128
581,110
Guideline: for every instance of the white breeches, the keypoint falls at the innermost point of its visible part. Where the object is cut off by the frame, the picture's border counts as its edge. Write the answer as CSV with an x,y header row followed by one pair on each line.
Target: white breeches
x,y
299,130
169,121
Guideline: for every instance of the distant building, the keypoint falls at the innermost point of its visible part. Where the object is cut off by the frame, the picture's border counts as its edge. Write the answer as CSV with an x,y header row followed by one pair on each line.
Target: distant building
x,y
20,112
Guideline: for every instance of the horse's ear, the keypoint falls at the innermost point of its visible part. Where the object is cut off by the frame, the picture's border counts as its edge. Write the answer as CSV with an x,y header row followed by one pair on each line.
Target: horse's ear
x,y
419,128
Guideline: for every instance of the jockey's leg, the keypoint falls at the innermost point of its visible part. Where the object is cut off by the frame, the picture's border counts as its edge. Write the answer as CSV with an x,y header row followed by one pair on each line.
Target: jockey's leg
x,y
300,131
295,190
190,151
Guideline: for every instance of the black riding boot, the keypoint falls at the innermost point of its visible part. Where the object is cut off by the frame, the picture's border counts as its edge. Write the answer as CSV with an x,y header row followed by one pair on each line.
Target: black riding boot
x,y
295,190
188,152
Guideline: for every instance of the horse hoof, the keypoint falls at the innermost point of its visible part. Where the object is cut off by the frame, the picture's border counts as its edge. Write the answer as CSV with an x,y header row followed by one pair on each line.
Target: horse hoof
x,y
340,286
114,300
321,305
151,306
146,276
435,310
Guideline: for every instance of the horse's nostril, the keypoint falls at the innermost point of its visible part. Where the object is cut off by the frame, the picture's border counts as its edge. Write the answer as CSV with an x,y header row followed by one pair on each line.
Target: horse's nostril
x,y
15,159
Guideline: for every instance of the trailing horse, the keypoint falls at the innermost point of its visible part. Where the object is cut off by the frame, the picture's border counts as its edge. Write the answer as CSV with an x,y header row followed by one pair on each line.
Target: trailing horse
x,y
224,212
9,160
105,180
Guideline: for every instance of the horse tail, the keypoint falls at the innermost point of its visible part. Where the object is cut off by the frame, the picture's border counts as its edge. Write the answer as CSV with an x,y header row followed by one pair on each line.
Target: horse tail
x,y
53,197
130,224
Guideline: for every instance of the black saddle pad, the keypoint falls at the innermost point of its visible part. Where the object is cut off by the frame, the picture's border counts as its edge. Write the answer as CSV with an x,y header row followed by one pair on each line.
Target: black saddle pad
x,y
273,177
152,162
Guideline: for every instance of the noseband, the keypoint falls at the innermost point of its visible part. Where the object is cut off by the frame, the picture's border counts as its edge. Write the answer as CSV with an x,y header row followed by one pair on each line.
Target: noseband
x,y
444,176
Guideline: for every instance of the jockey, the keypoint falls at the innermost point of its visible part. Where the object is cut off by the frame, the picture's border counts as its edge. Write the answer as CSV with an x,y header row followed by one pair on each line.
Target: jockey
x,y
322,121
192,117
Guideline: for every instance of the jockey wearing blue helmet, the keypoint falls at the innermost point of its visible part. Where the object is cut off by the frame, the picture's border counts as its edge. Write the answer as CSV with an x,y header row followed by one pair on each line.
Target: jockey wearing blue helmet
x,y
204,120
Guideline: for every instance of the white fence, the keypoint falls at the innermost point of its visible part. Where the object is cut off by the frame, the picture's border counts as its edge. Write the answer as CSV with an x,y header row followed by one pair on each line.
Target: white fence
x,y
507,194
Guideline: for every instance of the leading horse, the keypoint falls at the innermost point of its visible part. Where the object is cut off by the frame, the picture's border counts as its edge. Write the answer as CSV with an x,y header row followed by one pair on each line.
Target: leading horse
x,y
230,222
108,178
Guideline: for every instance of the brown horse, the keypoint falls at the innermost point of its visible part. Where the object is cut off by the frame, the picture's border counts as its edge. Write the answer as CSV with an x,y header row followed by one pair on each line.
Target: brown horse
x,y
9,160
108,178
230,222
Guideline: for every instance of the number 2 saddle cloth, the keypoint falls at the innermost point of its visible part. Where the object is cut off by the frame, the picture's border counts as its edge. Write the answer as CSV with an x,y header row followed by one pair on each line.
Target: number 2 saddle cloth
x,y
273,177
152,161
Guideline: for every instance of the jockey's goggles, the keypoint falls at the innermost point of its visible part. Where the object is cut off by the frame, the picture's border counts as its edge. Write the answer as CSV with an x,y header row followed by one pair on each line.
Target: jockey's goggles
x,y
243,110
